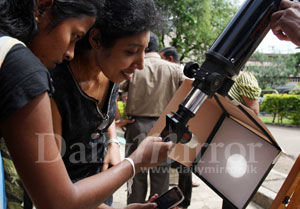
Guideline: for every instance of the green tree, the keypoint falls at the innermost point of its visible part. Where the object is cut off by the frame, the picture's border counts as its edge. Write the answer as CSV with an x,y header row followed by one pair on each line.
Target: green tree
x,y
293,62
193,25
272,70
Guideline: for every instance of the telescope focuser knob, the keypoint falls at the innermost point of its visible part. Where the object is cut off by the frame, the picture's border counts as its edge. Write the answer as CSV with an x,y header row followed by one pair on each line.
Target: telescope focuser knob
x,y
190,69
215,81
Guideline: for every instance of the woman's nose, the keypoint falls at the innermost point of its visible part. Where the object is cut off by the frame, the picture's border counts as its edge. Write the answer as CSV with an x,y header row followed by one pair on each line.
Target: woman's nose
x,y
140,62
69,54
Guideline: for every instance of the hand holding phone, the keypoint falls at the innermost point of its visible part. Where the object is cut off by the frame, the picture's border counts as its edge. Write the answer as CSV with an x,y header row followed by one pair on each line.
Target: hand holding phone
x,y
170,199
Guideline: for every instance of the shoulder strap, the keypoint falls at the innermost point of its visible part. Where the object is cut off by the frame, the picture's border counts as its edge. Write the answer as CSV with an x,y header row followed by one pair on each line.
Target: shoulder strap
x,y
6,43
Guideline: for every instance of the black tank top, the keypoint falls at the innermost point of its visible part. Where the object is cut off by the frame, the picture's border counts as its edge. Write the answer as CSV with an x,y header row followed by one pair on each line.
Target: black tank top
x,y
83,123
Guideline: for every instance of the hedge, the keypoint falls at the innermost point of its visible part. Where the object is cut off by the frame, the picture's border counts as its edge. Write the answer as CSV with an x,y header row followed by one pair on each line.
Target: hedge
x,y
282,105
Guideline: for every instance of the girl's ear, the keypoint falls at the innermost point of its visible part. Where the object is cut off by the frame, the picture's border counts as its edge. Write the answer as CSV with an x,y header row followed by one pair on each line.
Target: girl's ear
x,y
94,38
42,6
42,12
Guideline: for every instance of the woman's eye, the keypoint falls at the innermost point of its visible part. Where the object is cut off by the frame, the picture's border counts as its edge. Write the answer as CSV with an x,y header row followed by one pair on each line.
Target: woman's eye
x,y
132,52
76,37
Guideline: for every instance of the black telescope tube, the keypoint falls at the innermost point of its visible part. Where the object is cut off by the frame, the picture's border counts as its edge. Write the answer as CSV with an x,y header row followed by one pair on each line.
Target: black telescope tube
x,y
244,33
235,45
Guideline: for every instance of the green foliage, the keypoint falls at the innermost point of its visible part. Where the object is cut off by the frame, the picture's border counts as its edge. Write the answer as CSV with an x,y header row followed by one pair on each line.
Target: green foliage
x,y
293,62
282,105
267,119
295,91
272,71
193,25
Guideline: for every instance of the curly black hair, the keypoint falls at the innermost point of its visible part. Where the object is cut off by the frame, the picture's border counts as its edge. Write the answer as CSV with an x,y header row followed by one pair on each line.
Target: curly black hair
x,y
119,19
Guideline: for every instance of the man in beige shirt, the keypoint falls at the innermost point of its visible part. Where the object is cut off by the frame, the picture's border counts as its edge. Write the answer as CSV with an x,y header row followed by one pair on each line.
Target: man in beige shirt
x,y
149,92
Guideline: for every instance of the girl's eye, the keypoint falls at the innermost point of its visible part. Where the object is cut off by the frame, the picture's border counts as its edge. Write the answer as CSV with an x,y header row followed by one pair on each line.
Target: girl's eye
x,y
76,37
132,52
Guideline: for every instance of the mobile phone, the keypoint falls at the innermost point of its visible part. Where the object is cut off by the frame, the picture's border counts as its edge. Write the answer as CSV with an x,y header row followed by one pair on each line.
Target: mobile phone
x,y
170,199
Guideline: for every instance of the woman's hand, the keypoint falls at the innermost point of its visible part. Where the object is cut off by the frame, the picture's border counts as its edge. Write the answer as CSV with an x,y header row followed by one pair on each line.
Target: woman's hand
x,y
112,156
122,123
141,206
155,196
150,153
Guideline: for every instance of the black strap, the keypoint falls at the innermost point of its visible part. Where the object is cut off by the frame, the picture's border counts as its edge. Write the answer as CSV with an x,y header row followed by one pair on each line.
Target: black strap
x,y
27,201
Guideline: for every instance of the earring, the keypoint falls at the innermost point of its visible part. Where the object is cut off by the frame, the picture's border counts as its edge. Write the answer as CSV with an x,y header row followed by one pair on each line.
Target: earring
x,y
36,19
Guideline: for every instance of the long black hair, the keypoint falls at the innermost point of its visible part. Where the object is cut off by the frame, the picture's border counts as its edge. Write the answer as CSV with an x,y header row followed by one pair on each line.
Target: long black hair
x,y
17,17
123,18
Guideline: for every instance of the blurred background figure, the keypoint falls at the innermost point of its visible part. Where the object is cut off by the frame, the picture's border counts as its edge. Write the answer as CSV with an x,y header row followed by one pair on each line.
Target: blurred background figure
x,y
246,91
170,54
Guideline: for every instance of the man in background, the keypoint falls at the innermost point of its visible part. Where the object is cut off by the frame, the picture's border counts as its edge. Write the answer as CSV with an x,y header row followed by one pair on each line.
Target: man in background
x,y
170,54
246,91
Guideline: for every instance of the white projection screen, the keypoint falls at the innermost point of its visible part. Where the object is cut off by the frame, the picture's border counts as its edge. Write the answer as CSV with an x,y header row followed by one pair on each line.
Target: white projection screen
x,y
235,161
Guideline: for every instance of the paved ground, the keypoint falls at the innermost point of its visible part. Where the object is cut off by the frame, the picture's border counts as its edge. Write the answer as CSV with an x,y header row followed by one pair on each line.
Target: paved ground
x,y
204,198
288,138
